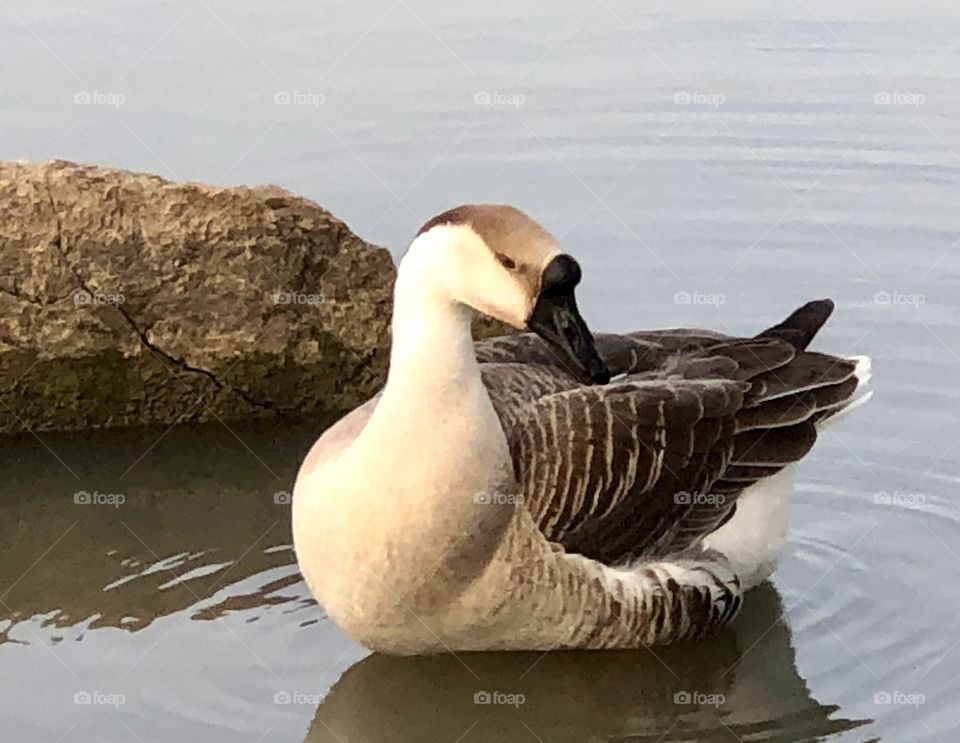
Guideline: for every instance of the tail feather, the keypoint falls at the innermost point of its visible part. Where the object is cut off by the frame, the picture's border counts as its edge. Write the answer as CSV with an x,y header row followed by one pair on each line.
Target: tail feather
x,y
858,397
802,324
807,371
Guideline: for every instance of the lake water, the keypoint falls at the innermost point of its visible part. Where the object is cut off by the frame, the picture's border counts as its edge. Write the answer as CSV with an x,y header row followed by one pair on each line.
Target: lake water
x,y
710,167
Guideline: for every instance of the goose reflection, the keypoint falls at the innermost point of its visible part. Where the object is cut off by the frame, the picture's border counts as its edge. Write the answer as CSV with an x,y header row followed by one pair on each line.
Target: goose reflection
x,y
740,684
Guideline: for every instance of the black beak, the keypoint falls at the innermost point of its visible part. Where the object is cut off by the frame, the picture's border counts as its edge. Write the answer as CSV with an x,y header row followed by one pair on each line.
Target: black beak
x,y
556,319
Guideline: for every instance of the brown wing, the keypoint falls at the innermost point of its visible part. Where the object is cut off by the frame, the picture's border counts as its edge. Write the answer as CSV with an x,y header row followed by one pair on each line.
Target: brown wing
x,y
649,464
612,472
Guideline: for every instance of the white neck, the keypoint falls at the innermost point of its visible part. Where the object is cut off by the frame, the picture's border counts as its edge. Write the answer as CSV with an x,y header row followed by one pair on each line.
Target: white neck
x,y
435,420
432,346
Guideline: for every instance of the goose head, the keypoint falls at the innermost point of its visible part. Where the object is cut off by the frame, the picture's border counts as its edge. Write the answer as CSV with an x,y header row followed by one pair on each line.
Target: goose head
x,y
498,261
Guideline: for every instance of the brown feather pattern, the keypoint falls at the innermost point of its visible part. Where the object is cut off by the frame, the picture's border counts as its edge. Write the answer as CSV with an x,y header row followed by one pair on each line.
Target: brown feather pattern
x,y
647,465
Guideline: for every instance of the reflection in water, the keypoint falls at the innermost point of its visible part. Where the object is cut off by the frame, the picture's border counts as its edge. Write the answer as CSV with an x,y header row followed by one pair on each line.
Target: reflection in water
x,y
742,684
185,525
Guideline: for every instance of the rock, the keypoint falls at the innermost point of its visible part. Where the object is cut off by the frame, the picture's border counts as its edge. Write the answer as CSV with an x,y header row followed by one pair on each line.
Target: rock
x,y
128,299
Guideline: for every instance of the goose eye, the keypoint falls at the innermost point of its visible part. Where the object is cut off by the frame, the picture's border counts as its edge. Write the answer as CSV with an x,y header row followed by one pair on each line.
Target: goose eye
x,y
506,261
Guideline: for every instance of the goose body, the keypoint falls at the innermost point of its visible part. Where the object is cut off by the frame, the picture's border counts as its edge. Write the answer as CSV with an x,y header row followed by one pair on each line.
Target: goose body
x,y
554,490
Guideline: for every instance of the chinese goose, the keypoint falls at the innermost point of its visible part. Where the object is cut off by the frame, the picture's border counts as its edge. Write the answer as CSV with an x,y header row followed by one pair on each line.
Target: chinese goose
x,y
552,489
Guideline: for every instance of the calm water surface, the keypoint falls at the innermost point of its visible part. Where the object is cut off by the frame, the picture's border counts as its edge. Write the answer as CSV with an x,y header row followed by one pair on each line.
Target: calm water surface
x,y
710,169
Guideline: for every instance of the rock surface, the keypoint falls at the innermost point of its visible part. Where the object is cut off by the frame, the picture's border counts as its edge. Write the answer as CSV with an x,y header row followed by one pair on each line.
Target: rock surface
x,y
127,299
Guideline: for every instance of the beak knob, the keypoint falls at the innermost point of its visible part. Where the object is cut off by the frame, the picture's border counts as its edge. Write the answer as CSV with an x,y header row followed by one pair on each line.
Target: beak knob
x,y
556,319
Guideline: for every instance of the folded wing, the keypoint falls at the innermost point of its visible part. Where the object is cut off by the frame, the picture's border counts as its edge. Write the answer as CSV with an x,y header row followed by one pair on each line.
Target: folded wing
x,y
651,463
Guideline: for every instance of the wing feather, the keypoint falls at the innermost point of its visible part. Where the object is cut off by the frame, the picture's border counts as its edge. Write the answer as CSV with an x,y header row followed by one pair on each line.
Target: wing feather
x,y
650,436
654,461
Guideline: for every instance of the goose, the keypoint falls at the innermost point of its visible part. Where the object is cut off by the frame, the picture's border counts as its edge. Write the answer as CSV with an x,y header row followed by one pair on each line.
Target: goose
x,y
552,489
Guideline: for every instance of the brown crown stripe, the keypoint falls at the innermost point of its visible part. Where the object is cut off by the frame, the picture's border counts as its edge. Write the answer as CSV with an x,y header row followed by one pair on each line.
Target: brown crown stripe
x,y
506,231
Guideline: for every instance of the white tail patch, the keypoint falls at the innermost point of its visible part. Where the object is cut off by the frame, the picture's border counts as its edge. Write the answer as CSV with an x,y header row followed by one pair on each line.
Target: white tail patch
x,y
753,539
862,372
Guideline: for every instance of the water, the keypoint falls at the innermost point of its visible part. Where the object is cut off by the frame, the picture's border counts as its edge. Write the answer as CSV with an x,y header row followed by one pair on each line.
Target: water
x,y
709,167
